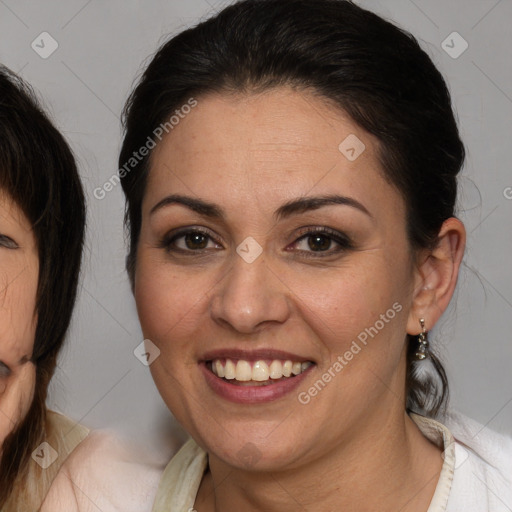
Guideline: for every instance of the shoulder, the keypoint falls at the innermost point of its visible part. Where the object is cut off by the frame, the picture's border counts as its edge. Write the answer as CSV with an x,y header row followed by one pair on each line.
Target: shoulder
x,y
482,475
61,436
104,473
490,448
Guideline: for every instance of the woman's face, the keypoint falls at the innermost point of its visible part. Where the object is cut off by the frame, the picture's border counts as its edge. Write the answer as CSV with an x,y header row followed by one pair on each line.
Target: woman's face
x,y
19,271
268,236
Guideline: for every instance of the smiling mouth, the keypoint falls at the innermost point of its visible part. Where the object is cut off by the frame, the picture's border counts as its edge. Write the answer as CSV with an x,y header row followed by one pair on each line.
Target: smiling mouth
x,y
241,372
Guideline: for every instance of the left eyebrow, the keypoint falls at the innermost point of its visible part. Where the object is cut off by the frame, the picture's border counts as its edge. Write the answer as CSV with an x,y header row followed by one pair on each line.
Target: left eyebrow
x,y
313,203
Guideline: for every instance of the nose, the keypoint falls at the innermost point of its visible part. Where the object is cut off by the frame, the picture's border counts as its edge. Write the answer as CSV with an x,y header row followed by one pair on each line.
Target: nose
x,y
249,297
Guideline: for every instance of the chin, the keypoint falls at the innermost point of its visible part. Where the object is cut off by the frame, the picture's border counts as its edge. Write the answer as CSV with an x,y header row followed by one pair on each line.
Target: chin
x,y
253,453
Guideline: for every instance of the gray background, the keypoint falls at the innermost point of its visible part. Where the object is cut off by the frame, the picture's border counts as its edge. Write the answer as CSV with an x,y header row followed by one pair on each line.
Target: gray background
x,y
84,83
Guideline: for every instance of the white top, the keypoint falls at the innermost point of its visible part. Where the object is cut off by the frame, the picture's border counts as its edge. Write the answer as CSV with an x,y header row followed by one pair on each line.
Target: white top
x,y
62,436
104,474
476,475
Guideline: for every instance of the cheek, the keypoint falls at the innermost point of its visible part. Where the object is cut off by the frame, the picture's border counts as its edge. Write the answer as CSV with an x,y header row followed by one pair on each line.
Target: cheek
x,y
359,324
349,298
18,318
362,303
18,323
167,305
16,398
172,307
165,300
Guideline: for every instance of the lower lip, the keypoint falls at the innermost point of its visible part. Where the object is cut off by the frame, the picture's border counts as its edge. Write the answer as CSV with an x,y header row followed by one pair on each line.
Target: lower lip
x,y
251,394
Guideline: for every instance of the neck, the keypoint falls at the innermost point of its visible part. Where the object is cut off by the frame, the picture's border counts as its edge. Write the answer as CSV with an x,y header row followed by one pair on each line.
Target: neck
x,y
390,466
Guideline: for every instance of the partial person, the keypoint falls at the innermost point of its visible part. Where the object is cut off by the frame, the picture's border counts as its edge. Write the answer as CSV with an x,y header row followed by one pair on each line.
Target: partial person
x,y
42,224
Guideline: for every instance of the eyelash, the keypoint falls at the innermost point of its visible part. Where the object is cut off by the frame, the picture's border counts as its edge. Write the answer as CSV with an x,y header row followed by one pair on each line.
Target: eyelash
x,y
341,239
8,242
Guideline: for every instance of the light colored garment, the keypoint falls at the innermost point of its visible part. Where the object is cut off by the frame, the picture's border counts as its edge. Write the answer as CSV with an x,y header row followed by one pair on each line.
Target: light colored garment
x,y
482,478
476,475
105,473
62,437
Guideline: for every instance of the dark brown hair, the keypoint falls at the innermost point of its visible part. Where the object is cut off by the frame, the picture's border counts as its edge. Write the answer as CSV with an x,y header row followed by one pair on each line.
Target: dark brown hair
x,y
38,171
367,66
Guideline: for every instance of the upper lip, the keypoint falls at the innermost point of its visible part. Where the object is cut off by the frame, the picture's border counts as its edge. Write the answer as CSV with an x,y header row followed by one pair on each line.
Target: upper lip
x,y
252,355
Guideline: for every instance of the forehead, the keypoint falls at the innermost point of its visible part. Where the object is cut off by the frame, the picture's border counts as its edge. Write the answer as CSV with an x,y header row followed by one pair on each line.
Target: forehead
x,y
279,122
277,142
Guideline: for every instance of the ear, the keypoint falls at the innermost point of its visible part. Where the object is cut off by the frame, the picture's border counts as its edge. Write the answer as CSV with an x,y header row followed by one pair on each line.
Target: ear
x,y
436,276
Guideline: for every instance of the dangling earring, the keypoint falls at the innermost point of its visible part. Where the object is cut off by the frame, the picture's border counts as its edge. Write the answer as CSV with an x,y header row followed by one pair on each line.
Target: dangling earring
x,y
422,352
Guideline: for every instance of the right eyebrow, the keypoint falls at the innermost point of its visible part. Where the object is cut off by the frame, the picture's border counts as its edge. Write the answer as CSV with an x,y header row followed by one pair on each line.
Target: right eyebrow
x,y
199,206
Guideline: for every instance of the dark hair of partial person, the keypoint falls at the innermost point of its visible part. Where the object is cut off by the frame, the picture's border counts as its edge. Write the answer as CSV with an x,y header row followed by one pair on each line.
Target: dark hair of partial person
x,y
39,173
352,58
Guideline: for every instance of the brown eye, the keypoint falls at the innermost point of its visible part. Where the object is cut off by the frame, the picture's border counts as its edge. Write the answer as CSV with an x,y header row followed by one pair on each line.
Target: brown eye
x,y
319,242
322,240
189,241
196,240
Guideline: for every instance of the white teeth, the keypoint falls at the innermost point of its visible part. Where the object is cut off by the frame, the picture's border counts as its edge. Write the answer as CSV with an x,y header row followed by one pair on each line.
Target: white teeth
x,y
229,369
219,369
287,368
296,368
259,371
276,369
243,371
